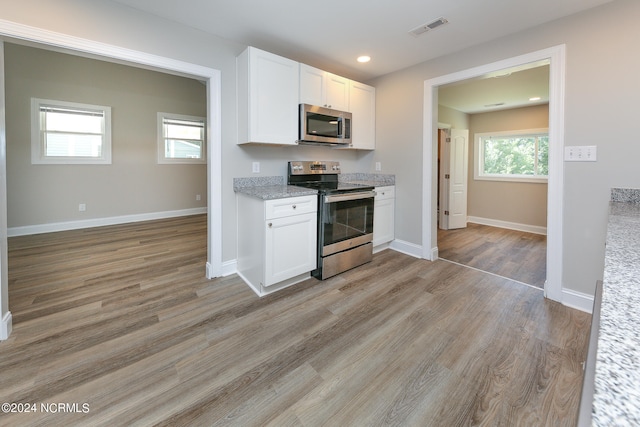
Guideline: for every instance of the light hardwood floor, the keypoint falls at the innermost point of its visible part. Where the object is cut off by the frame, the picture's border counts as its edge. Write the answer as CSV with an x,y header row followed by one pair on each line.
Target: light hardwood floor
x,y
122,319
513,254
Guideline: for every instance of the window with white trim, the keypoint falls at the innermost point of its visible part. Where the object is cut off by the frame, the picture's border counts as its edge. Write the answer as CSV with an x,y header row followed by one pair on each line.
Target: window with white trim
x,y
181,139
70,133
521,156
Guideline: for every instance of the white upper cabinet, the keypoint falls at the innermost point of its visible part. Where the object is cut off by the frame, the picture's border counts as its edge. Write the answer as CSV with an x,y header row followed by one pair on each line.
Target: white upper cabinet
x,y
363,111
321,88
268,95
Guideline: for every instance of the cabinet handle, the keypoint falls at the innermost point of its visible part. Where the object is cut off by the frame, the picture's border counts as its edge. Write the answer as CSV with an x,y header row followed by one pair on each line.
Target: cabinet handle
x,y
294,206
270,224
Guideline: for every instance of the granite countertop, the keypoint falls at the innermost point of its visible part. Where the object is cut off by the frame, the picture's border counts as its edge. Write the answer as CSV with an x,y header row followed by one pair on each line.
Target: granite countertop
x,y
373,179
275,187
269,188
616,400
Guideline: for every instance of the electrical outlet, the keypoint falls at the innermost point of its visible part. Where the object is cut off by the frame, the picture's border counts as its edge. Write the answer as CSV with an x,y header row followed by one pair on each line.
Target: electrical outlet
x,y
82,207
580,153
378,166
197,197
255,167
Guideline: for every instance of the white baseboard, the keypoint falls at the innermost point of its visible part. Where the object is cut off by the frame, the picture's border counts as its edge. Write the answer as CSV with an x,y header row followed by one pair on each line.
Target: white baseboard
x,y
99,222
229,267
406,248
578,300
6,326
509,225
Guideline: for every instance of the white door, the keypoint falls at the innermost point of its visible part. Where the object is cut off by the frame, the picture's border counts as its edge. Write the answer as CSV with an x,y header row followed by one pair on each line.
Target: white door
x,y
455,166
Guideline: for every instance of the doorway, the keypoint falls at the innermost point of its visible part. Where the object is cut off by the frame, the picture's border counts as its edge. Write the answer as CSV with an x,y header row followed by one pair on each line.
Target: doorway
x,y
554,256
507,193
32,35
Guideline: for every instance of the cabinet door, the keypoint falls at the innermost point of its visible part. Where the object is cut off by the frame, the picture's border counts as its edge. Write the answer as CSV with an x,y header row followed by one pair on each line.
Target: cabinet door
x,y
312,85
363,109
290,247
317,87
384,216
337,92
269,113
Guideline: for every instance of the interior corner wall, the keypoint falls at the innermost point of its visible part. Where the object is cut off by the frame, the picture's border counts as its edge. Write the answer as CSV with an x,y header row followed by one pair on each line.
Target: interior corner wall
x,y
134,184
456,119
512,202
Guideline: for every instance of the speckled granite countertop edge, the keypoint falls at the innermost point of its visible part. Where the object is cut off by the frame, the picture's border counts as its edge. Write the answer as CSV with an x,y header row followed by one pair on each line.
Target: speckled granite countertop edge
x,y
269,188
616,399
275,187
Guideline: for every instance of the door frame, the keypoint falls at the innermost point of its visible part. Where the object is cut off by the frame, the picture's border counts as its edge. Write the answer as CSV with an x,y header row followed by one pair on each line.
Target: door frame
x,y
131,57
556,56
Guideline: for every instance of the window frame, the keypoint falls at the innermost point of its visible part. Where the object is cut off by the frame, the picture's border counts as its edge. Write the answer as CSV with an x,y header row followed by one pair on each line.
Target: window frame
x,y
38,156
478,173
162,159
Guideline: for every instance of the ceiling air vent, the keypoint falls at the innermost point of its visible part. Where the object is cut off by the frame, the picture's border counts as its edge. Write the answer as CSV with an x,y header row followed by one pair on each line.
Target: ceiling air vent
x,y
421,29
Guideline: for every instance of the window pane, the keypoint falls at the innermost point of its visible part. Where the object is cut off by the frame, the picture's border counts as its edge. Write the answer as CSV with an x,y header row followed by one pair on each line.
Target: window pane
x,y
177,149
510,156
72,145
183,131
182,139
543,155
70,122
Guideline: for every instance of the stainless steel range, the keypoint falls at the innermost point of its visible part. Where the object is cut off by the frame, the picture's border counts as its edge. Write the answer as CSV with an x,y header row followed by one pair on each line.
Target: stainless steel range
x,y
345,216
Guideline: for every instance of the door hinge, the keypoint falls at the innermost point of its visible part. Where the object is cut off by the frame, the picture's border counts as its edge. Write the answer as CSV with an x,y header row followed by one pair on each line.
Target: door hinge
x,y
448,139
446,176
446,212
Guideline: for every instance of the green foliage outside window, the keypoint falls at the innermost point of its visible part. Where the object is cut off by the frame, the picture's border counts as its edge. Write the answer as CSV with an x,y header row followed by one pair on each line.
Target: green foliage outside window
x,y
523,155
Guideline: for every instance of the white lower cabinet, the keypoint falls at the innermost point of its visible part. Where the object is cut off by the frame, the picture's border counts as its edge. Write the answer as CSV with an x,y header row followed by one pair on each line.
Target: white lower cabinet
x,y
384,215
276,241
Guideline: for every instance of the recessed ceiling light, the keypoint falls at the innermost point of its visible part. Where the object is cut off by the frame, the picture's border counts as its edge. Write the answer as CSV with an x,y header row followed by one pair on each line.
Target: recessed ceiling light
x,y
535,98
364,58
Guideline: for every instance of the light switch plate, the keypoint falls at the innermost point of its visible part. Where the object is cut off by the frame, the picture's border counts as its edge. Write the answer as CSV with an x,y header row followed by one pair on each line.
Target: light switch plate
x,y
580,153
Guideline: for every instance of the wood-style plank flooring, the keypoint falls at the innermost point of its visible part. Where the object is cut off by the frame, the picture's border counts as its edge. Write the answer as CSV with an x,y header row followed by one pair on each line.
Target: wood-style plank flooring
x,y
122,319
517,255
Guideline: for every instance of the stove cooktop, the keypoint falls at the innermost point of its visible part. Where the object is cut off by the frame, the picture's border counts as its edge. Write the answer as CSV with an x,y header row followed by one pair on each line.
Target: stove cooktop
x,y
321,175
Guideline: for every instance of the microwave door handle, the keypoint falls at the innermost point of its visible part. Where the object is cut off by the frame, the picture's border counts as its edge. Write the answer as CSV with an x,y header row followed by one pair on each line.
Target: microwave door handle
x,y
340,127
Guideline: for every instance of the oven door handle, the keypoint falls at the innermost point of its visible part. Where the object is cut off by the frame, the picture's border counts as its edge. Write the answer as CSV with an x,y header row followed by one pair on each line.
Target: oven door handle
x,y
349,196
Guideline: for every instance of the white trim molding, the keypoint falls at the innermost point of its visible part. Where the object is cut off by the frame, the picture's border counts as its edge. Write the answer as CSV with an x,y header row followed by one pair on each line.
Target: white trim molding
x,y
578,300
6,326
407,248
556,58
535,229
99,222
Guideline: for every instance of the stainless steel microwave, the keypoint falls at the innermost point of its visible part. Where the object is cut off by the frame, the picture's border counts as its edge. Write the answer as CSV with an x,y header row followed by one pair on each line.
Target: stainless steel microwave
x,y
324,126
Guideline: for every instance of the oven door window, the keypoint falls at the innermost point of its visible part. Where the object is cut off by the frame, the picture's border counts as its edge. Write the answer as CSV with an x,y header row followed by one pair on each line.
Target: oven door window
x,y
347,220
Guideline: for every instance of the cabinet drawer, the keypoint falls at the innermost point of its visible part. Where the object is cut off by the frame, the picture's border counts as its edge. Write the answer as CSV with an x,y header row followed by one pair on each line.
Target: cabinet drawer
x,y
387,192
279,208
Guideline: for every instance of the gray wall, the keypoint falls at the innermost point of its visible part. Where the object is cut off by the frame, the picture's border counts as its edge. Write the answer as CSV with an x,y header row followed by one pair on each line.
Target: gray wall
x,y
600,108
134,183
517,202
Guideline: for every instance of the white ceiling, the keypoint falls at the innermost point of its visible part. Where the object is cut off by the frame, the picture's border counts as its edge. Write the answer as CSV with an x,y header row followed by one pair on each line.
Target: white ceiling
x,y
330,34
510,88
